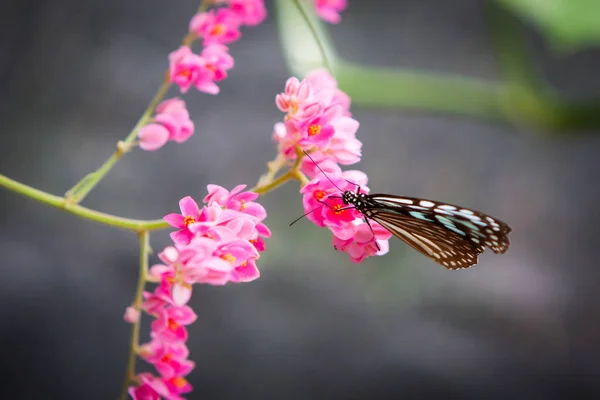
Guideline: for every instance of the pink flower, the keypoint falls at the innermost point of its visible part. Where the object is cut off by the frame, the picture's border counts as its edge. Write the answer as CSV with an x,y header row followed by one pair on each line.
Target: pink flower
x,y
212,268
171,322
152,137
318,129
317,194
169,358
361,243
326,164
132,315
235,200
168,389
250,12
286,140
144,391
325,89
185,68
190,213
344,147
172,106
244,203
174,116
322,199
215,62
329,10
217,244
171,122
176,274
221,27
295,95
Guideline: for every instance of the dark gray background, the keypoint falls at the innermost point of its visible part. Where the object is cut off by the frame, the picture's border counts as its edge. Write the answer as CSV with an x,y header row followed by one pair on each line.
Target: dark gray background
x,y
75,76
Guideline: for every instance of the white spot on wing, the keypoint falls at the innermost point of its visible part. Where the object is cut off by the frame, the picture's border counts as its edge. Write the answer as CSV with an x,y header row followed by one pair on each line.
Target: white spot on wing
x,y
447,207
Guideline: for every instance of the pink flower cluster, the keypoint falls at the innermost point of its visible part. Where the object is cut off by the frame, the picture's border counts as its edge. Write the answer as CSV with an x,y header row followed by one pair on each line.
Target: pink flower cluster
x,y
171,123
217,244
329,10
318,120
217,27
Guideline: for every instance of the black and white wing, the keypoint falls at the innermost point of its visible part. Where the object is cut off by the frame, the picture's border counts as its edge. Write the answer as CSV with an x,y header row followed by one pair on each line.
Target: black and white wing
x,y
451,235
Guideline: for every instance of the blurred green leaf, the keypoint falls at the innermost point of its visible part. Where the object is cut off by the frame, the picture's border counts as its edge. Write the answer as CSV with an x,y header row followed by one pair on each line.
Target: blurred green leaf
x,y
568,24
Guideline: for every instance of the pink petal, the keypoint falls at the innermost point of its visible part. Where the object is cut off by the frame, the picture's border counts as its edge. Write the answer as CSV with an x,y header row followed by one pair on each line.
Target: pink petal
x,y
183,236
175,220
132,315
188,206
153,137
181,294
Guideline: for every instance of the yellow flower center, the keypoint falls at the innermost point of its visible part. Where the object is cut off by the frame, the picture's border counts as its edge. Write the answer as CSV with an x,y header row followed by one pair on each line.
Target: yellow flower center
x,y
218,30
188,220
172,324
228,257
179,382
337,209
185,73
320,194
314,130
243,205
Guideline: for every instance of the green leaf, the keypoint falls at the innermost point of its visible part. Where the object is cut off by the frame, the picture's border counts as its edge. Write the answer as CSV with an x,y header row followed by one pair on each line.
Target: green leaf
x,y
568,24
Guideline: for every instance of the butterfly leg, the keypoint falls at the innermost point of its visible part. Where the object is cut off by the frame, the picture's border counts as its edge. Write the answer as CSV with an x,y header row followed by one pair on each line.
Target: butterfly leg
x,y
373,232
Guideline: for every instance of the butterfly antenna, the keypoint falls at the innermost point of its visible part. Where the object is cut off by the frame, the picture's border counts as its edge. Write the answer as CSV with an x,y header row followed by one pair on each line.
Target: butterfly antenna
x,y
304,215
323,172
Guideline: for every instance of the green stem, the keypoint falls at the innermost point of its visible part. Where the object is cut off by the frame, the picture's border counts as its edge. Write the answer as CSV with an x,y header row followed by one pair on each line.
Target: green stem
x,y
304,41
89,182
61,203
274,184
137,304
311,21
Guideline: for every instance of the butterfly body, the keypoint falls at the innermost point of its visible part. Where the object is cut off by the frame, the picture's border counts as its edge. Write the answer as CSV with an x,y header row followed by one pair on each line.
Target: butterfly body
x,y
451,235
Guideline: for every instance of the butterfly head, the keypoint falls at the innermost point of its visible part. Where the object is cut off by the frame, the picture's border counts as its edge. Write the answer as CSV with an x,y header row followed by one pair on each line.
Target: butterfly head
x,y
349,197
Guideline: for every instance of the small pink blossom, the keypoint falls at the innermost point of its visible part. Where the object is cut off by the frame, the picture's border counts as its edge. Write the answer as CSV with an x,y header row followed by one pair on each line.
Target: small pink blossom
x,y
250,12
169,358
326,91
320,163
329,10
175,119
132,315
322,200
152,137
190,213
185,68
143,392
317,194
221,26
295,95
361,243
344,147
170,324
168,389
318,129
216,61
171,122
286,140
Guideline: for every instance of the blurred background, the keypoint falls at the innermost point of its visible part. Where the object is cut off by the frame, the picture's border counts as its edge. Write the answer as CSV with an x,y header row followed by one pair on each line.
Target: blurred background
x,y
74,78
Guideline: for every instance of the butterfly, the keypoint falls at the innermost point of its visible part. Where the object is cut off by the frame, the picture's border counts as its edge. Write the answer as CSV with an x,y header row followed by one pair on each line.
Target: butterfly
x,y
450,235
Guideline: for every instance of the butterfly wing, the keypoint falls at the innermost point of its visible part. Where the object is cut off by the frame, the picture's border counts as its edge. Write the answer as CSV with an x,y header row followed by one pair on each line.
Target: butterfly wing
x,y
451,235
